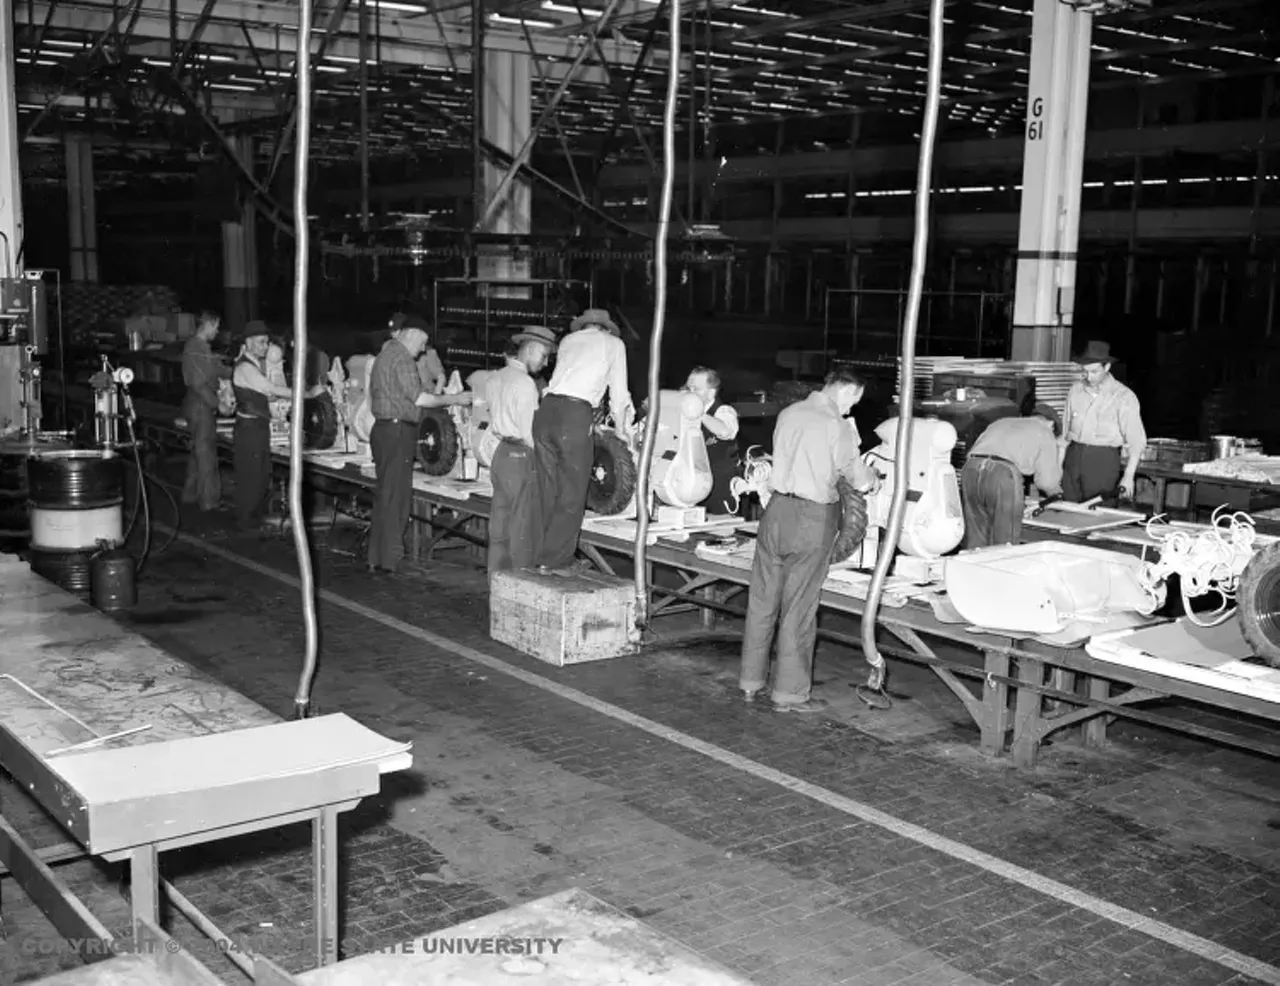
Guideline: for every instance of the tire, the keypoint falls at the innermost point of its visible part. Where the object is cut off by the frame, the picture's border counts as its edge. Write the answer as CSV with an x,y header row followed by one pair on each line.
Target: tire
x,y
853,522
438,443
319,423
1258,602
613,475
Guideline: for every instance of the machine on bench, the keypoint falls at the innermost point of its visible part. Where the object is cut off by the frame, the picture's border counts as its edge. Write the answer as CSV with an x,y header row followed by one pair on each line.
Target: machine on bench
x,y
970,402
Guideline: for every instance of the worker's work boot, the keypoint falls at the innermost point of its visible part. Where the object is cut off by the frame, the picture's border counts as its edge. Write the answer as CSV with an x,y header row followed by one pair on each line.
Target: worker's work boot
x,y
812,705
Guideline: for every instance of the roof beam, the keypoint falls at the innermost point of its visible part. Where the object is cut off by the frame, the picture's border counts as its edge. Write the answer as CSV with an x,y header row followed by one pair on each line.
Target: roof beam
x,y
272,26
956,156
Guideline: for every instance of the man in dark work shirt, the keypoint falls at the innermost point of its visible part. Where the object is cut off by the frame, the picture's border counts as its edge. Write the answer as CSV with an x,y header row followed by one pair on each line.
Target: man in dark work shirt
x,y
396,397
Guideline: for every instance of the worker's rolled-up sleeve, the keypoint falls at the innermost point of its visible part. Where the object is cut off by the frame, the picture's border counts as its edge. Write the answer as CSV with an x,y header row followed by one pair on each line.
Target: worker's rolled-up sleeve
x,y
1048,474
619,391
1131,428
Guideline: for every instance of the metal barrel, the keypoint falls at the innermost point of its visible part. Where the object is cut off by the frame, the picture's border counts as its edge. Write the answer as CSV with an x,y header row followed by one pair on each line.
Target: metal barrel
x,y
75,502
112,580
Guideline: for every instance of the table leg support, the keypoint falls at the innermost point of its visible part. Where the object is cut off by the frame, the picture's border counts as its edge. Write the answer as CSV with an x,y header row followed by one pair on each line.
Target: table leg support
x,y
1027,713
1095,730
324,854
995,703
144,885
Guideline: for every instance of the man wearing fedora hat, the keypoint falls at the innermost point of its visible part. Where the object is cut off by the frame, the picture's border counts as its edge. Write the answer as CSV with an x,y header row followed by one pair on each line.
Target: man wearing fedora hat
x,y
1102,418
992,482
251,448
512,396
591,360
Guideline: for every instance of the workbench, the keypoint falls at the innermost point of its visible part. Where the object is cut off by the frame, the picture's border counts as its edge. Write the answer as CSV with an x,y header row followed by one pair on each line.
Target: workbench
x,y
1024,691
134,753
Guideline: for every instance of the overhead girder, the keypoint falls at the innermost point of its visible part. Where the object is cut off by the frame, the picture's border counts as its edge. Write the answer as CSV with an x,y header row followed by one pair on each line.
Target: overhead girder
x,y
272,27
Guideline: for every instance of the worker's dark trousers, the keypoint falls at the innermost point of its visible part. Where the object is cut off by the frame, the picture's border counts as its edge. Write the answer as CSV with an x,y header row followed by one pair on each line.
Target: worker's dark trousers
x,y
1089,471
993,502
793,553
203,485
563,453
395,445
251,456
513,512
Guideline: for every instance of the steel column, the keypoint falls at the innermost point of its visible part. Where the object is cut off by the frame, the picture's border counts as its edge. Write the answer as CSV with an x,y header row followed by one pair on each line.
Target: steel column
x,y
240,252
11,182
81,208
507,113
1052,174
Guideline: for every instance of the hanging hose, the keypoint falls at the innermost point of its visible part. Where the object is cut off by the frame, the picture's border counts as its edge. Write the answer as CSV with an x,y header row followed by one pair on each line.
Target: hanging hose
x,y
906,387
659,311
302,700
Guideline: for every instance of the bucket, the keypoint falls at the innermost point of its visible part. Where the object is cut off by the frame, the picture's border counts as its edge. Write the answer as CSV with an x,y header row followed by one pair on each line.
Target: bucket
x,y
112,580
1224,446
75,502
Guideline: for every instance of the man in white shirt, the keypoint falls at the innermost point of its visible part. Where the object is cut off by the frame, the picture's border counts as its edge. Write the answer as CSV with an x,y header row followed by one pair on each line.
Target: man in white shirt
x,y
591,360
512,396
720,433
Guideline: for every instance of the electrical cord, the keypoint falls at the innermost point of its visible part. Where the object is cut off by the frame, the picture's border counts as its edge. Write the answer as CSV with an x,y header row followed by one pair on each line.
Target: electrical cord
x,y
872,693
1207,563
302,246
659,312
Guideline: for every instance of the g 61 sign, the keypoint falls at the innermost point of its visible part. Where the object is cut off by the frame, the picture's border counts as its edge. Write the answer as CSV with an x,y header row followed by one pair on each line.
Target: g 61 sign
x,y
1035,121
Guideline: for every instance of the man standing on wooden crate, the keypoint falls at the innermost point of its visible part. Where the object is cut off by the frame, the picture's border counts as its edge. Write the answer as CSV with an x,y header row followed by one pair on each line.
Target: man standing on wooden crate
x,y
201,371
591,360
251,452
993,477
396,397
814,444
512,396
1102,417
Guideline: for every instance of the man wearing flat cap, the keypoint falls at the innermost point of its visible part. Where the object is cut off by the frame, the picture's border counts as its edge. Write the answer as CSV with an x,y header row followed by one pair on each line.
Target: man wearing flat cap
x,y
430,369
512,396
1103,418
591,360
396,398
993,479
251,451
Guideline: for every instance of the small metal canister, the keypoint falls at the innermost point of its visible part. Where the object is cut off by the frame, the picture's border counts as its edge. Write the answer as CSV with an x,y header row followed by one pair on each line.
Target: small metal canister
x,y
112,580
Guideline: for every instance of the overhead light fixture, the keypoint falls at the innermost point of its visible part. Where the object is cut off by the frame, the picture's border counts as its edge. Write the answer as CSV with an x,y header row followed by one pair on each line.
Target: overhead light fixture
x,y
564,8
521,21
408,8
1108,6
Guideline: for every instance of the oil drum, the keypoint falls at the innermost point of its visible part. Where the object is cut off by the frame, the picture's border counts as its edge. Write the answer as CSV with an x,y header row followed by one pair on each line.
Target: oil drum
x,y
75,502
112,580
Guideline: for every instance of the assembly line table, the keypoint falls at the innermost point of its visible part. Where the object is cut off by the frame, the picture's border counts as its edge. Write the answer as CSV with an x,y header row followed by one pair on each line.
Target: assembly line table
x,y
1026,691
69,674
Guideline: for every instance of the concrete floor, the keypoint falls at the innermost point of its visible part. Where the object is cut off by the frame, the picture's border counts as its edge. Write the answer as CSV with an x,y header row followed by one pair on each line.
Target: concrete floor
x,y
857,847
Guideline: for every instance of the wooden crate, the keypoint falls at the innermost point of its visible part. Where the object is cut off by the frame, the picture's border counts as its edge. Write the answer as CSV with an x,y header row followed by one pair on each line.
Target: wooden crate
x,y
564,619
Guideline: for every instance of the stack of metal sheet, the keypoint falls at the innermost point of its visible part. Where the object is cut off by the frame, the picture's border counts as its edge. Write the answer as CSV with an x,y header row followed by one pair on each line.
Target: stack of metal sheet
x,y
1053,380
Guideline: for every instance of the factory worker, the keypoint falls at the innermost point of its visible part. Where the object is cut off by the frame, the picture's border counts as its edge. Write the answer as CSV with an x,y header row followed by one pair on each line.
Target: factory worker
x,y
251,452
512,396
201,371
591,360
814,444
720,432
993,478
1102,418
430,368
396,398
